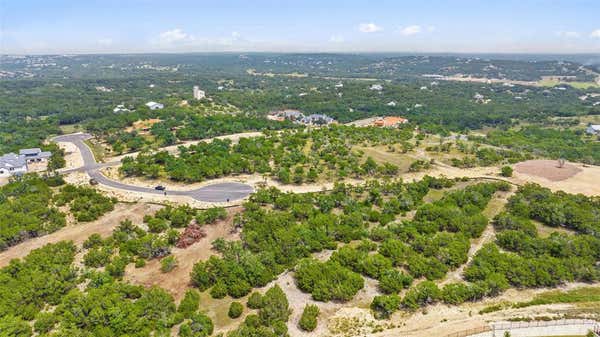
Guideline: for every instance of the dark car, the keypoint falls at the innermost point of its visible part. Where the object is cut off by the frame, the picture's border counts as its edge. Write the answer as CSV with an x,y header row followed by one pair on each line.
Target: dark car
x,y
160,188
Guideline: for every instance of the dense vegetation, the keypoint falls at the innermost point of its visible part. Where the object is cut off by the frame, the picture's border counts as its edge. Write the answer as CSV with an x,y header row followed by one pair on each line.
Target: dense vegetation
x,y
551,143
279,229
47,279
289,156
83,90
29,207
529,260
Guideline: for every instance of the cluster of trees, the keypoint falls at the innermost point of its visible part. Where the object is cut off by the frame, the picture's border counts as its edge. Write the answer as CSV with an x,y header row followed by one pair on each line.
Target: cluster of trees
x,y
27,210
85,203
294,156
279,229
486,156
327,281
547,142
273,314
130,243
528,260
175,128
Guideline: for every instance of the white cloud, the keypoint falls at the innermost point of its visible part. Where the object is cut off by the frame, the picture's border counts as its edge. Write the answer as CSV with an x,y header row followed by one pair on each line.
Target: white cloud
x,y
595,34
105,42
369,27
174,36
411,30
568,34
336,39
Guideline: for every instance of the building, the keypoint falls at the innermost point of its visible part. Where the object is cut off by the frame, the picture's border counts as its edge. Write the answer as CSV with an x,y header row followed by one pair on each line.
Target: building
x,y
154,106
317,119
376,87
289,114
390,121
593,129
199,94
12,164
392,103
120,109
34,155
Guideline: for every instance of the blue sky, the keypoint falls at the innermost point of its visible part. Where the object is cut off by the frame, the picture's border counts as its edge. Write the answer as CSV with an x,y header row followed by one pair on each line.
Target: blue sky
x,y
89,26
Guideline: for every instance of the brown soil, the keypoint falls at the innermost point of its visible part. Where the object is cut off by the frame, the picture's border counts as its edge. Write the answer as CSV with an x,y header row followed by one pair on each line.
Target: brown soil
x,y
78,233
547,169
177,281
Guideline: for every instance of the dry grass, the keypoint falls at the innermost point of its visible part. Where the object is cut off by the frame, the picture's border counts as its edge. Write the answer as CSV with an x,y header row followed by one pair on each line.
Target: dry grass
x,y
177,281
548,169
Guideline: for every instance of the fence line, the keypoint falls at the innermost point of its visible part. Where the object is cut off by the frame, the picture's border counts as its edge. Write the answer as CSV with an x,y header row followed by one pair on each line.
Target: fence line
x,y
501,326
471,331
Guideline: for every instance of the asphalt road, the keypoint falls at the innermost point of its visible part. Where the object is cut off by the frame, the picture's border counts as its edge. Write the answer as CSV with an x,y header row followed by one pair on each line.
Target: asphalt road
x,y
220,192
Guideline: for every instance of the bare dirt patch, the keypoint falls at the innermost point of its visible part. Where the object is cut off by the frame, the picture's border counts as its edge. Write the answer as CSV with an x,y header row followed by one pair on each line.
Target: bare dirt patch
x,y
178,280
78,233
547,169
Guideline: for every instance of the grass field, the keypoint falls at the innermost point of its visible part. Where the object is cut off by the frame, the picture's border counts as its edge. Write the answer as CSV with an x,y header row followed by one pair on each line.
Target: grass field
x,y
580,295
577,85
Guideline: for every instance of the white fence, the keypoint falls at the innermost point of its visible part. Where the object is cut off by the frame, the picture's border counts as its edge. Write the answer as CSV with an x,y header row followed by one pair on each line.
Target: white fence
x,y
563,327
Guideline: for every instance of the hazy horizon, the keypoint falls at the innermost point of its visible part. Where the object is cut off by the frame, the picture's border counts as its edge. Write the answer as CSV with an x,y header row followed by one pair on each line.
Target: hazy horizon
x,y
181,26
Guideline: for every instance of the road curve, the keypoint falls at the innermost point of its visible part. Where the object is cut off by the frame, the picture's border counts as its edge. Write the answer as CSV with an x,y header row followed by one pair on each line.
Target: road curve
x,y
219,192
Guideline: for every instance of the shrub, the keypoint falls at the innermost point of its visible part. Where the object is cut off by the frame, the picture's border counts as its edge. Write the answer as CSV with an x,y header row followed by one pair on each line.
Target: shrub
x,y
235,310
308,320
506,171
168,263
219,290
200,326
255,301
93,241
327,281
189,304
44,322
385,306
424,293
392,281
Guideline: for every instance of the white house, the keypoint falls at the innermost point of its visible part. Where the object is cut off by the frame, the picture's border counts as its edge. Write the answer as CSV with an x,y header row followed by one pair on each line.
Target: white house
x,y
154,105
391,103
376,87
120,108
12,164
593,129
198,94
34,155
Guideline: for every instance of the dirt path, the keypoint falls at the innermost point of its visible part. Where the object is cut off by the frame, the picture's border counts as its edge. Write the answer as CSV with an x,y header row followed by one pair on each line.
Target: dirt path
x,y
78,233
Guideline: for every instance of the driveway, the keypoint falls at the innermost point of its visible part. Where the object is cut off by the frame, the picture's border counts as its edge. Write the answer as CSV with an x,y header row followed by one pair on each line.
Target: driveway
x,y
220,192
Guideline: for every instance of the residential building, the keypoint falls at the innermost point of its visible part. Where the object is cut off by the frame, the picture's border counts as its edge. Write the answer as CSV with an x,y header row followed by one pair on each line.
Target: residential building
x,y
377,87
12,164
199,94
120,109
392,103
154,106
593,129
390,121
317,119
34,155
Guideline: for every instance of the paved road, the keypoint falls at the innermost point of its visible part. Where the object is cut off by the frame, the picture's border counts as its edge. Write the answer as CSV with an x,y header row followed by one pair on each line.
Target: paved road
x,y
220,192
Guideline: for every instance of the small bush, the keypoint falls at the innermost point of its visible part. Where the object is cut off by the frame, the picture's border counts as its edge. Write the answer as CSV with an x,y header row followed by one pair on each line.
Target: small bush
x,y
219,290
506,171
308,321
255,301
235,310
168,263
